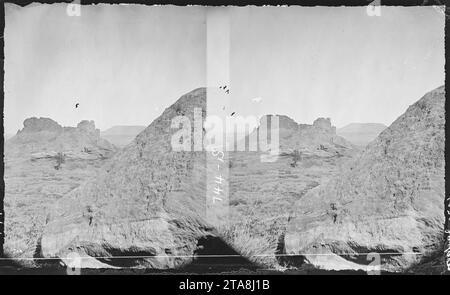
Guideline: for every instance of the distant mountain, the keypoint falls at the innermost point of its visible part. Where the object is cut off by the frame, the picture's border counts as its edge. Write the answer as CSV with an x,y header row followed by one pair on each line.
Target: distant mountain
x,y
320,138
388,200
361,134
121,135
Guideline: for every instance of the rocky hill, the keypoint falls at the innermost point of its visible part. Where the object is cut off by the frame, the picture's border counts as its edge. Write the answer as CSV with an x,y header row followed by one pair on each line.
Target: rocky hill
x,y
389,200
262,193
361,134
121,135
149,203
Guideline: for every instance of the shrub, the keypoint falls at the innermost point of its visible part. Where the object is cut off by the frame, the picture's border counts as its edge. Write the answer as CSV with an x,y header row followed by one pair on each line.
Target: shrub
x,y
296,156
60,159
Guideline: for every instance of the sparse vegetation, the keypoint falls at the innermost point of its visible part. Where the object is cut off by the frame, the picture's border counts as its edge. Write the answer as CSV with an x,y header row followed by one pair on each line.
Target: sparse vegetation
x,y
237,202
60,159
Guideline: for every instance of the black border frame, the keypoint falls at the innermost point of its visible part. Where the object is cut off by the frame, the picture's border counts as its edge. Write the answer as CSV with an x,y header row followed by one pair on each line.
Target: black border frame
x,y
3,214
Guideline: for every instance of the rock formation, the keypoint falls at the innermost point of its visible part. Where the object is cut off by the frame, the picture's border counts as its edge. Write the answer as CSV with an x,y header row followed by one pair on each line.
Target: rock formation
x,y
43,162
148,205
318,138
389,200
361,134
121,135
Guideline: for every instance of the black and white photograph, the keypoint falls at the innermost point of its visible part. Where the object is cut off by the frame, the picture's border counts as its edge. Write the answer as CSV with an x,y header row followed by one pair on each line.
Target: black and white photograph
x,y
224,139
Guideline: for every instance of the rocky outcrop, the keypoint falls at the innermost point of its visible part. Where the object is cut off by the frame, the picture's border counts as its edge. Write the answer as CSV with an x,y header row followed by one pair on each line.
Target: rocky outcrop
x,y
45,136
34,124
319,138
389,200
43,162
361,134
121,135
324,124
149,205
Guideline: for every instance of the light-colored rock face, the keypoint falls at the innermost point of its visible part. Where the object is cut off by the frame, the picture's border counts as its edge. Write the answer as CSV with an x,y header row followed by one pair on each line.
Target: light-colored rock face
x,y
150,202
389,200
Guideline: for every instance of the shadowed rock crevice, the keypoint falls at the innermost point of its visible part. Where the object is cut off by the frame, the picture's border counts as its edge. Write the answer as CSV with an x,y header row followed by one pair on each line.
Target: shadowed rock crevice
x,y
214,254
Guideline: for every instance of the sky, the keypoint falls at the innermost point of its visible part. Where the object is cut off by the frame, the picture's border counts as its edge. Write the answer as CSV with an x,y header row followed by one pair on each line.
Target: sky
x,y
335,62
125,64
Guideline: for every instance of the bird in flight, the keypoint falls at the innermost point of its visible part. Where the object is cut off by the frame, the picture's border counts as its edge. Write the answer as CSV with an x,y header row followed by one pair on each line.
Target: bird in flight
x,y
76,105
232,113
